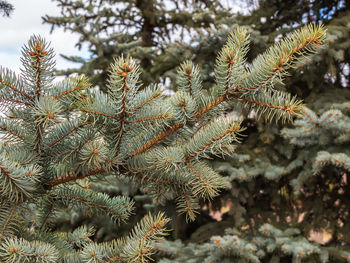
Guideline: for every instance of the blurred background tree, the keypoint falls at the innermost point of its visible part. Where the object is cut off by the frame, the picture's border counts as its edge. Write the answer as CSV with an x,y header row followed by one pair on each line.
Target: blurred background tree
x,y
6,8
297,177
140,28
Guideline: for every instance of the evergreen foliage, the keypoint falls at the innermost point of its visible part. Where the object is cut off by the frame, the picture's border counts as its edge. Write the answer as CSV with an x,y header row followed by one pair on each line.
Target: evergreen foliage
x,y
138,28
297,176
59,136
269,240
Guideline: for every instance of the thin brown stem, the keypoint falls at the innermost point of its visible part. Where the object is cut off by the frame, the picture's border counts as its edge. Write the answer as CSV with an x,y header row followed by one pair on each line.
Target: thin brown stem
x,y
8,219
155,140
15,89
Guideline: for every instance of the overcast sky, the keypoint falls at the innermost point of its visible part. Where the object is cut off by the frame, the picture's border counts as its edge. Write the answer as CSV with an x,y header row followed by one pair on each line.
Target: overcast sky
x,y
26,21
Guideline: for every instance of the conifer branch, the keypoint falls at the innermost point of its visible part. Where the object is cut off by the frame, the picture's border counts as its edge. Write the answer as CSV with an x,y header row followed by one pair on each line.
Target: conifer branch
x,y
67,133
155,96
14,184
21,250
156,180
230,63
38,53
69,177
165,116
101,113
189,80
145,97
309,128
211,135
210,105
206,185
46,217
205,182
76,148
71,132
122,115
2,127
73,177
134,248
38,69
187,204
8,219
123,82
147,168
285,108
324,158
265,68
80,236
275,102
114,258
17,101
97,200
38,138
229,69
149,229
284,55
81,85
155,140
15,89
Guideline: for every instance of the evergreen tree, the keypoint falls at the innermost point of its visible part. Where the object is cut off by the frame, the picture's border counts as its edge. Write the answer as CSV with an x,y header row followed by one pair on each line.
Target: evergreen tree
x,y
137,28
61,138
295,177
182,18
283,173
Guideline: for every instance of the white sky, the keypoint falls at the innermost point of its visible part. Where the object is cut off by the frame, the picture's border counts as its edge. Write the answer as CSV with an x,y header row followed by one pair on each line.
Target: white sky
x,y
26,21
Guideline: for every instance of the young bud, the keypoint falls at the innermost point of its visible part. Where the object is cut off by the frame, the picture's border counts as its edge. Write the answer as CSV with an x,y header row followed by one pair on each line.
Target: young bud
x,y
38,47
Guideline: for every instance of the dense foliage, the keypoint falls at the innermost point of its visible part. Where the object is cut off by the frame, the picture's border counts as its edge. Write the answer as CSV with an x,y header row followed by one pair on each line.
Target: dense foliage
x,y
138,28
282,193
59,139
